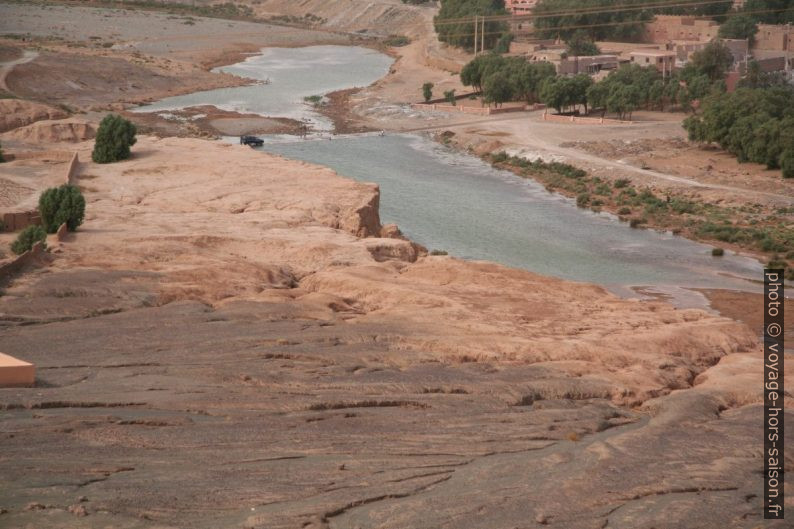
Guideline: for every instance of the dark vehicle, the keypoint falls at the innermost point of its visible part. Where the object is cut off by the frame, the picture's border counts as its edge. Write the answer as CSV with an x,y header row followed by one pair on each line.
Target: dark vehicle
x,y
251,141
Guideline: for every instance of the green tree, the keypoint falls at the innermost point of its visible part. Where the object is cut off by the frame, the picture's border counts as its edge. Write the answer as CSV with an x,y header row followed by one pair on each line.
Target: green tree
x,y
503,44
755,77
770,11
739,27
656,94
113,139
647,89
527,78
449,95
579,86
597,96
497,89
561,18
787,163
755,125
454,22
471,74
624,100
427,91
552,93
27,238
714,60
565,92
580,44
62,204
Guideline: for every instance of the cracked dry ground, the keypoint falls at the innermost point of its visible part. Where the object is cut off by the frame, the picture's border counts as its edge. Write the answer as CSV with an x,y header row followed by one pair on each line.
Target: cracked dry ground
x,y
226,344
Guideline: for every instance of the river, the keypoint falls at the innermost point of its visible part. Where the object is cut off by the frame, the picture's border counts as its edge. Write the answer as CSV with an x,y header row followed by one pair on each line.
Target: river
x,y
451,201
286,76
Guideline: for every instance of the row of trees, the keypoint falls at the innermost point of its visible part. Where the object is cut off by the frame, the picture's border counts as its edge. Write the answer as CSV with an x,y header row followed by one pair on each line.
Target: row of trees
x,y
627,89
462,34
503,79
581,25
754,124
744,25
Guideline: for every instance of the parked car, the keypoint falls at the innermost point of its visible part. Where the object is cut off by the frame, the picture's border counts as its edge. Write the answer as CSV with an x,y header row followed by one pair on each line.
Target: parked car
x,y
251,141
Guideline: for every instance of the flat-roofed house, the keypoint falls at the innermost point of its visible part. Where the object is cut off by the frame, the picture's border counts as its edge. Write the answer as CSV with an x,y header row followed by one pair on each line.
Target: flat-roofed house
x,y
662,60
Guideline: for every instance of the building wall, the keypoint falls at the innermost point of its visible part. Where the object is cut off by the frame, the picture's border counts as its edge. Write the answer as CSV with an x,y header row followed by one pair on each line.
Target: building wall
x,y
589,65
520,7
774,37
662,62
665,28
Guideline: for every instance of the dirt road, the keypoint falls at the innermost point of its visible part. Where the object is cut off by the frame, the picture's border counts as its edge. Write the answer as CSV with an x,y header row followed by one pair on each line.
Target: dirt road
x,y
527,135
6,67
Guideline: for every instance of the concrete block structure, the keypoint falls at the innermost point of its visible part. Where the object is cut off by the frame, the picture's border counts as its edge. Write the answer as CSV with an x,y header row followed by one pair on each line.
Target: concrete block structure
x,y
589,64
15,372
662,60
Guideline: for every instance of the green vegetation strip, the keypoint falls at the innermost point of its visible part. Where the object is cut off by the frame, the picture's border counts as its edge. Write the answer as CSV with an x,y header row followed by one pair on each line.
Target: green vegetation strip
x,y
747,227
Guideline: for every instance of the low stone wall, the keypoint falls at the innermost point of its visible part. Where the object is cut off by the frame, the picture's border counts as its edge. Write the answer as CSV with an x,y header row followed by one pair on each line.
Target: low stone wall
x,y
480,111
55,156
62,232
15,221
443,100
12,267
71,169
584,120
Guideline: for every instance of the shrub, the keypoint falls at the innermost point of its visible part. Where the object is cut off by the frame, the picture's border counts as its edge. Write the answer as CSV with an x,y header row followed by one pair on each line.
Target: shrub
x,y
27,238
635,223
438,252
583,200
776,262
397,41
113,139
620,183
61,204
427,91
449,95
624,211
499,157
717,252
680,206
